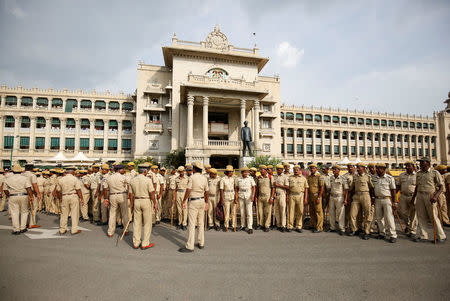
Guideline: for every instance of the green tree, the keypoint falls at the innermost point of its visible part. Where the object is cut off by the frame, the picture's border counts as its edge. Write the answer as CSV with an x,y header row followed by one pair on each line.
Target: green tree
x,y
264,160
175,158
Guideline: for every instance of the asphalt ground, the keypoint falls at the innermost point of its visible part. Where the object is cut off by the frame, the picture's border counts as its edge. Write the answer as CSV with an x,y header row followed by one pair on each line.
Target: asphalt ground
x,y
233,266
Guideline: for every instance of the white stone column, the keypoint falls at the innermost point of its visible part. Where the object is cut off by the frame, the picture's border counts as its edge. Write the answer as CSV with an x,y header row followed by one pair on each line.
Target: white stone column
x,y
105,137
2,125
48,126
243,106
314,143
205,121
256,130
91,136
190,121
77,134
285,142
62,130
294,142
32,133
16,133
119,136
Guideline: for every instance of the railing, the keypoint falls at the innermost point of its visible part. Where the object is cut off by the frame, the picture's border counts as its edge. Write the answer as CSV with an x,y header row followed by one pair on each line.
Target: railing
x,y
153,127
224,143
98,132
229,81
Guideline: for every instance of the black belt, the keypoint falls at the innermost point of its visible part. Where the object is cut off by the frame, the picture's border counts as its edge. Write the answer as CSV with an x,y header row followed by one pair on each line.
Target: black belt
x,y
296,193
180,190
145,198
118,193
17,194
212,195
382,197
195,199
229,190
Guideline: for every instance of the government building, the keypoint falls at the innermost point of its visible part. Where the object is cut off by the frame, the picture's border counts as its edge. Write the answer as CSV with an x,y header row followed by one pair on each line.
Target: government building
x,y
199,101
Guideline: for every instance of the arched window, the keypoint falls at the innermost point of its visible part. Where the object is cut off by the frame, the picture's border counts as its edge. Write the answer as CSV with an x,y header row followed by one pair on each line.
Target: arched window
x,y
217,73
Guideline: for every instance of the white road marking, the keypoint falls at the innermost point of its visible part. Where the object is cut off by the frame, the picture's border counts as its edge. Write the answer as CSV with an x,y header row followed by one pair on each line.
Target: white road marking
x,y
41,233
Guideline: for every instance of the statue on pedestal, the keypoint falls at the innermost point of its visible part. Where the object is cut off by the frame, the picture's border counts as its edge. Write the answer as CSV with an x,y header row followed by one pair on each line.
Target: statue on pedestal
x,y
246,137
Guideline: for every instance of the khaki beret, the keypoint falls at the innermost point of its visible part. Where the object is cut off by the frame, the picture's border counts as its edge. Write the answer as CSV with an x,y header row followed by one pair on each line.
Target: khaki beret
x,y
371,164
181,168
270,166
286,164
213,170
198,164
71,168
82,171
253,169
46,172
262,166
279,166
207,165
245,168
163,168
381,165
143,165
229,168
361,164
312,165
258,174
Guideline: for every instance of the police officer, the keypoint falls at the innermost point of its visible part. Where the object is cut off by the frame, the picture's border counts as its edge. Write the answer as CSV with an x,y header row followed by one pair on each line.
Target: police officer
x,y
143,202
181,184
213,183
338,200
2,195
281,187
85,190
287,168
40,184
384,190
406,184
265,199
69,188
245,194
349,177
159,188
37,195
171,186
442,202
429,186
94,185
227,197
316,190
100,194
362,188
298,197
19,192
197,195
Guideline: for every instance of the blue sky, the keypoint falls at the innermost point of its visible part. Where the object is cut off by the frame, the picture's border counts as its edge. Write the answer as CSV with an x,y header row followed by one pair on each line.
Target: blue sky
x,y
389,56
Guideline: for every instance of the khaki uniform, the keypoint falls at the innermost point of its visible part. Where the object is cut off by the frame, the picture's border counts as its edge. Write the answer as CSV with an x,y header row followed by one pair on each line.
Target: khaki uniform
x,y
198,186
336,209
383,205
170,194
158,180
244,186
3,196
85,180
443,203
297,187
33,179
326,191
280,199
95,182
129,176
213,201
361,186
426,186
264,185
103,209
18,200
181,184
47,200
54,203
407,184
315,183
142,187
40,183
117,186
68,186
349,178
227,185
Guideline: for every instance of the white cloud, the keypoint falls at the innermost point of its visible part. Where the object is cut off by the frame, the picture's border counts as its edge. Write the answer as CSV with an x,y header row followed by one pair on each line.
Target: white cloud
x,y
14,9
289,55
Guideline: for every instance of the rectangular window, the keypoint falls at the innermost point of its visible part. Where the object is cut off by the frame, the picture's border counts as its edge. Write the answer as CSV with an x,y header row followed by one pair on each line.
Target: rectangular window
x,y
392,151
427,152
413,152
361,150
353,150
336,149
6,164
126,144
282,148
300,149
98,144
377,151
39,143
309,149
369,150
384,151
84,143
420,152
24,142
345,150
54,143
327,150
319,149
112,144
399,151
433,152
8,142
406,151
70,143
290,148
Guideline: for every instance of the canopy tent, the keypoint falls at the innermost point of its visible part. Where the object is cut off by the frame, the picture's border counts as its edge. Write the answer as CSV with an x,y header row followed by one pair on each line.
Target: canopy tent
x,y
58,158
345,161
358,160
81,157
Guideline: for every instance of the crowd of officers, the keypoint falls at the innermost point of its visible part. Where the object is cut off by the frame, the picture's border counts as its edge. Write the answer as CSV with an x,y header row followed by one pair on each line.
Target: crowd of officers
x,y
364,201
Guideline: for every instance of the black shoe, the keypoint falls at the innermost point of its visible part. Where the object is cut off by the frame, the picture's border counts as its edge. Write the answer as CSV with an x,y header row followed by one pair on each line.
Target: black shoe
x,y
299,230
331,230
241,229
441,241
365,237
417,239
446,225
199,246
380,236
340,233
178,227
282,230
15,232
316,231
209,228
266,229
288,230
23,230
351,233
98,223
185,250
258,227
158,222
392,240
120,226
250,231
217,228
184,228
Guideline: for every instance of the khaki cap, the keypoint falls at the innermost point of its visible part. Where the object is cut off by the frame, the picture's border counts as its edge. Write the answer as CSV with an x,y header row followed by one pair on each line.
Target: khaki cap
x,y
180,168
335,166
270,166
198,164
130,164
95,166
312,165
105,166
163,168
213,170
371,164
143,165
207,165
262,166
361,164
296,166
245,168
279,166
286,164
253,169
116,163
17,168
229,168
441,167
82,171
154,166
381,165
350,164
258,174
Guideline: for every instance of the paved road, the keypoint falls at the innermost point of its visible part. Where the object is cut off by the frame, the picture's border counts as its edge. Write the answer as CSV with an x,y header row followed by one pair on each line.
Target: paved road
x,y
233,266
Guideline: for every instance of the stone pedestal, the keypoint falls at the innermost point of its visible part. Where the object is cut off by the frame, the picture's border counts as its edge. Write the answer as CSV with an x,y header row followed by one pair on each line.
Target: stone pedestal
x,y
244,161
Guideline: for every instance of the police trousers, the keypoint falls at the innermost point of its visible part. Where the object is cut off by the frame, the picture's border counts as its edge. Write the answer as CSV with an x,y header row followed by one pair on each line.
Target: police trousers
x,y
295,212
